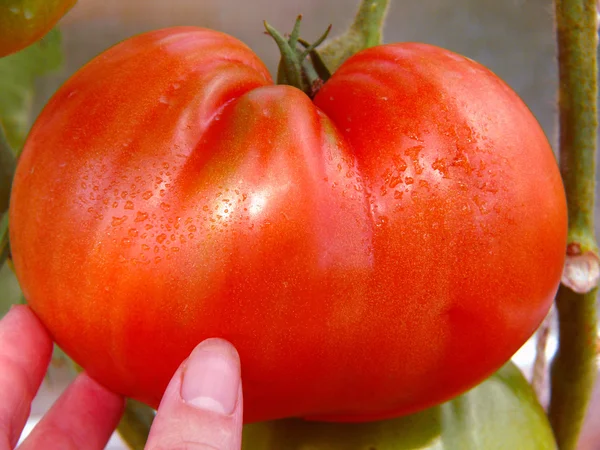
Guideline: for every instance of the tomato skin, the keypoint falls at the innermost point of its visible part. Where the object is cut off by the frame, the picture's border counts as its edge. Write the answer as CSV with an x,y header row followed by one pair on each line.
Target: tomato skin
x,y
370,254
25,21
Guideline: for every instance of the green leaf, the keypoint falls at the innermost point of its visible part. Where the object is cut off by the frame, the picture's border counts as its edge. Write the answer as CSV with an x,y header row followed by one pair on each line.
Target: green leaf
x,y
501,413
18,73
135,424
3,238
9,287
7,170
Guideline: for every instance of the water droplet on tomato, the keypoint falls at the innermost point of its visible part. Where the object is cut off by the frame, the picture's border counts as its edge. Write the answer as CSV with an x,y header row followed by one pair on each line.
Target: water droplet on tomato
x,y
165,206
147,195
129,204
116,221
160,238
141,216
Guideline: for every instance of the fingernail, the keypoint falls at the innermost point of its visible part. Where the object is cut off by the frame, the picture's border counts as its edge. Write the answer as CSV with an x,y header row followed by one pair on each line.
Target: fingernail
x,y
211,377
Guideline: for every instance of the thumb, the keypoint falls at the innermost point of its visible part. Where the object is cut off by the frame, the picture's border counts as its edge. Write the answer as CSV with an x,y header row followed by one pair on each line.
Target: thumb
x,y
202,406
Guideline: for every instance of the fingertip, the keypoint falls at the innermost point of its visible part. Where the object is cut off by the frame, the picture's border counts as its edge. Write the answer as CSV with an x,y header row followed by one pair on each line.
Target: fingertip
x,y
84,416
211,377
22,320
25,341
25,352
203,403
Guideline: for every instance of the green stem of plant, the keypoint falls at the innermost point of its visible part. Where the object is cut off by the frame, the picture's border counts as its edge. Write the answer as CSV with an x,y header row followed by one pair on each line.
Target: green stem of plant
x,y
134,426
574,367
365,32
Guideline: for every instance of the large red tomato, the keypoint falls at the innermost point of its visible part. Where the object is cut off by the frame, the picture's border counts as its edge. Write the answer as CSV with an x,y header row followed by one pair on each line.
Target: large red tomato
x,y
370,253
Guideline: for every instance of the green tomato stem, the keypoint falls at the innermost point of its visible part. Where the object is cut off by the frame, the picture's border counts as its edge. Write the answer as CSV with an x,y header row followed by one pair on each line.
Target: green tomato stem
x,y
290,66
295,69
365,32
574,367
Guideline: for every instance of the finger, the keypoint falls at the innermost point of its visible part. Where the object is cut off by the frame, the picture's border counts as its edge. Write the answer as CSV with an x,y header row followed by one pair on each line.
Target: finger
x,y
25,352
84,416
202,406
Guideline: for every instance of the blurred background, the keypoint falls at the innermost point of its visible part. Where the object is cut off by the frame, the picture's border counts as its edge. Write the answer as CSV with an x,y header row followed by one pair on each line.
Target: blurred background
x,y
514,38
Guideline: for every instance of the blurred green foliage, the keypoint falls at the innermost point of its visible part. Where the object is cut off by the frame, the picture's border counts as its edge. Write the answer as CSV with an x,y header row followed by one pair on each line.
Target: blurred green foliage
x,y
501,413
18,74
10,293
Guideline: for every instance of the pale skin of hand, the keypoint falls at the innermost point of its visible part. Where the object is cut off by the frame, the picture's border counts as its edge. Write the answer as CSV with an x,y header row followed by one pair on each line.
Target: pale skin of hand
x,y
201,408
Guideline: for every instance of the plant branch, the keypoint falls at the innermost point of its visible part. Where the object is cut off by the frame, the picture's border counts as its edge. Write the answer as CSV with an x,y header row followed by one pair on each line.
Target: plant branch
x,y
365,32
574,367
540,365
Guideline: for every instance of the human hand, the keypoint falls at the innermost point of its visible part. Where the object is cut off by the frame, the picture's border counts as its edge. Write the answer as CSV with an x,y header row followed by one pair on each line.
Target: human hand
x,y
201,408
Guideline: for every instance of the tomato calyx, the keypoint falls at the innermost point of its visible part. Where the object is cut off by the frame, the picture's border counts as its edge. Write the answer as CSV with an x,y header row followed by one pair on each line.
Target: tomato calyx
x,y
295,67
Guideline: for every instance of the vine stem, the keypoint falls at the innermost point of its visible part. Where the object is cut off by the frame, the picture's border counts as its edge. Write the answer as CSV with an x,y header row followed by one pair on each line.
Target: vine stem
x,y
574,367
540,365
365,32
